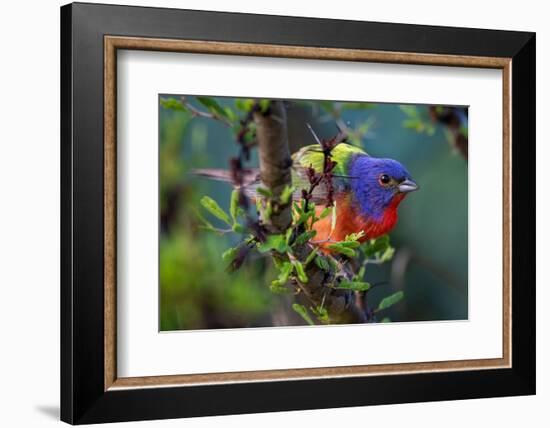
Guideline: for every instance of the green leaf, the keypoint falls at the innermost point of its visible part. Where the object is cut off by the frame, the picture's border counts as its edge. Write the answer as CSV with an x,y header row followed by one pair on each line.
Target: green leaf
x,y
305,237
259,204
266,193
387,255
342,249
321,313
333,220
244,104
354,285
390,300
311,256
264,105
286,194
361,273
302,311
327,105
172,104
212,105
304,216
278,262
333,263
322,263
285,270
377,245
238,228
355,236
213,208
300,272
325,213
278,288
288,234
231,115
414,124
250,133
409,110
385,320
349,244
234,208
278,285
268,210
230,254
274,242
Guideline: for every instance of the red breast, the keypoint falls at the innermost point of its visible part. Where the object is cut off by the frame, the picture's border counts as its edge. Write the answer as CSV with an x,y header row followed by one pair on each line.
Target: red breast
x,y
349,220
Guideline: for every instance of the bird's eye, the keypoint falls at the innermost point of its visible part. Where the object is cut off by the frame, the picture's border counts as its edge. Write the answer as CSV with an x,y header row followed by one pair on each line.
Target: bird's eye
x,y
384,179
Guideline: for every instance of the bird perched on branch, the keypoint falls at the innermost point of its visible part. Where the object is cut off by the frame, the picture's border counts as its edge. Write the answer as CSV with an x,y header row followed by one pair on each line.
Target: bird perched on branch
x,y
365,191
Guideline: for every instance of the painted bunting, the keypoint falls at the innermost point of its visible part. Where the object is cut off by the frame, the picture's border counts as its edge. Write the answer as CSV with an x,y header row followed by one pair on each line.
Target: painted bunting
x,y
366,190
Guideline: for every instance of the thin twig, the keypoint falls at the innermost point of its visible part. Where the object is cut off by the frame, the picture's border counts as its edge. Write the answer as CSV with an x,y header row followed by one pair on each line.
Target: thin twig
x,y
200,113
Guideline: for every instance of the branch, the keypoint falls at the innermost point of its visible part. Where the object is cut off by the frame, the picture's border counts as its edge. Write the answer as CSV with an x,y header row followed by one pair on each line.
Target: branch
x,y
275,162
275,171
200,113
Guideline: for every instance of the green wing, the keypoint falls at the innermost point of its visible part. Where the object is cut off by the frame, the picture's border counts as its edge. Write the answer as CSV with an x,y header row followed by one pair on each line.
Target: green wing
x,y
307,156
312,156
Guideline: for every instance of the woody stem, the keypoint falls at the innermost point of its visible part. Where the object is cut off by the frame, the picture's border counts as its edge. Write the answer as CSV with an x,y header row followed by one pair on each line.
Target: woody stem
x,y
275,172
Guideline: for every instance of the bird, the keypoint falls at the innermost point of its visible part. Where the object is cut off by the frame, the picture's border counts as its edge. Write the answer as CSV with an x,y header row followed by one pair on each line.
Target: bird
x,y
366,191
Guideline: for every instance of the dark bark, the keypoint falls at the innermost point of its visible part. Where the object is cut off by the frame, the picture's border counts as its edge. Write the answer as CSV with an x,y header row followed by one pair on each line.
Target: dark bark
x,y
275,162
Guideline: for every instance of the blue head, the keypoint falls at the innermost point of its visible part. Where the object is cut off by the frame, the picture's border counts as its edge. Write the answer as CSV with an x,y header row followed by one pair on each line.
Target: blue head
x,y
376,183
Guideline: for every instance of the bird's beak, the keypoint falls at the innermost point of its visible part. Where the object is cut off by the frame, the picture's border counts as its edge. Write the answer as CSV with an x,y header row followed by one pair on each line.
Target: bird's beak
x,y
407,186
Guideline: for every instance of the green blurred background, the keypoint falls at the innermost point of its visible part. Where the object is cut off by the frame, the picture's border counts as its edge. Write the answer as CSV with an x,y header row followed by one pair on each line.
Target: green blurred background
x,y
431,237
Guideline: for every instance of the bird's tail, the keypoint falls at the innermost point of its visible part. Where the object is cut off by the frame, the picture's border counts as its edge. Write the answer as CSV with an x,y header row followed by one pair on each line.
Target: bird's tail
x,y
213,174
250,178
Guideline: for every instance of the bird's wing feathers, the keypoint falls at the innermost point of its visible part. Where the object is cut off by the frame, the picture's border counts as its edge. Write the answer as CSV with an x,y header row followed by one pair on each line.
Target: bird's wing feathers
x,y
250,176
306,157
312,156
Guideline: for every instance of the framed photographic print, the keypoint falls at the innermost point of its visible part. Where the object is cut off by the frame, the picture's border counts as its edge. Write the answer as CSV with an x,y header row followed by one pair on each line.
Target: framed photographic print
x,y
265,213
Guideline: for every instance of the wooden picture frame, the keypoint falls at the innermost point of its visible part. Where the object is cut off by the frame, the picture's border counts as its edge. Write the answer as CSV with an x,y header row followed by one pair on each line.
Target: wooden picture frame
x,y
91,390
